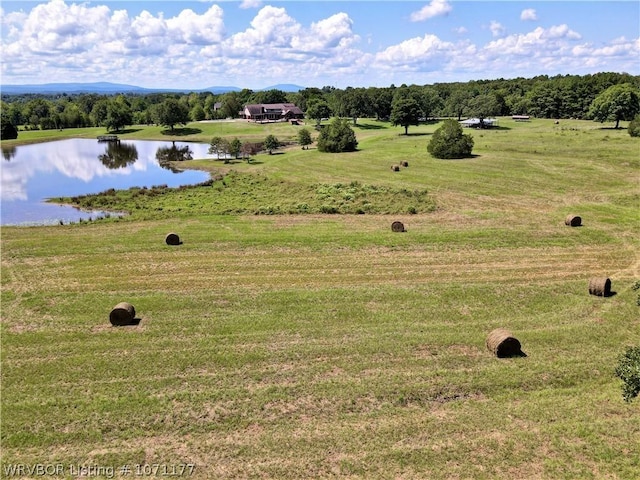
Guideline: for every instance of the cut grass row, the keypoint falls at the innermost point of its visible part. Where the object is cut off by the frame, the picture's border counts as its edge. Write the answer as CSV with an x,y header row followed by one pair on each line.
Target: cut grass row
x,y
318,346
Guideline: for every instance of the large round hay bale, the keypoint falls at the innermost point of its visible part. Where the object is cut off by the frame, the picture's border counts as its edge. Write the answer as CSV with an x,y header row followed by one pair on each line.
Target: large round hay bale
x,y
573,220
395,168
600,287
123,314
503,344
172,239
405,164
397,227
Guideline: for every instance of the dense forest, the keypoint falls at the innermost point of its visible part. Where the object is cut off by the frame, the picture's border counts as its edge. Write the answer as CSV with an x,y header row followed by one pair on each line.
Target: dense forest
x,y
563,96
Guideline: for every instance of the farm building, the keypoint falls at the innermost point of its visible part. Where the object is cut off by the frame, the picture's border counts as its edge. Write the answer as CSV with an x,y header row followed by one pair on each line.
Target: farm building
x,y
475,122
271,112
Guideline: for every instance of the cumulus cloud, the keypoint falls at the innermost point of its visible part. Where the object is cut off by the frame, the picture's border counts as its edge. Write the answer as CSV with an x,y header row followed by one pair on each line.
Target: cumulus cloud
x,y
192,28
245,4
528,14
534,42
423,54
59,41
434,9
497,29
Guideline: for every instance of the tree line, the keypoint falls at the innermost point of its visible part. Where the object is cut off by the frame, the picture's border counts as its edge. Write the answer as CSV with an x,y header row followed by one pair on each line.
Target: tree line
x,y
562,96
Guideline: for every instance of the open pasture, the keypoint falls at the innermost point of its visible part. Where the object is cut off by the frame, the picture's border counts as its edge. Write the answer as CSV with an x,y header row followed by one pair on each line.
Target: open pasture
x,y
328,346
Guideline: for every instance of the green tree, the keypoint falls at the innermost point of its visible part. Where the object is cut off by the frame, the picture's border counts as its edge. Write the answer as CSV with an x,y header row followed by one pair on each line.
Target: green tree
x,y
37,112
219,146
380,100
118,114
355,103
99,112
619,102
171,112
235,147
231,105
271,143
448,141
304,138
457,103
197,113
270,96
483,107
405,111
337,137
317,109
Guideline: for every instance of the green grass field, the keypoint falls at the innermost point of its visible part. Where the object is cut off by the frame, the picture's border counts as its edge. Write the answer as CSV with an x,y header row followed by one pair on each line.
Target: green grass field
x,y
309,345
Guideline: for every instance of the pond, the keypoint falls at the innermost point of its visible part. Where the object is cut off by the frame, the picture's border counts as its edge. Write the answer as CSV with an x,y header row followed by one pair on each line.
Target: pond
x,y
31,174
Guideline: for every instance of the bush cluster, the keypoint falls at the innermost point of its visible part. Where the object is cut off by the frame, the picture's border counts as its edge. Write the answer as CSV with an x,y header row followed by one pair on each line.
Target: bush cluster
x,y
634,127
628,370
337,137
448,141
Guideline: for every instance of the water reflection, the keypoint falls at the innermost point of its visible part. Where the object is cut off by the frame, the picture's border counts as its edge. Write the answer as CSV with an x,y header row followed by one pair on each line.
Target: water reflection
x,y
30,174
174,153
8,153
119,155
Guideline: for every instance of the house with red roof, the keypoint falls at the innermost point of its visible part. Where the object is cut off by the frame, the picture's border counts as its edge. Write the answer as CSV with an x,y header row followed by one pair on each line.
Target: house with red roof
x,y
272,112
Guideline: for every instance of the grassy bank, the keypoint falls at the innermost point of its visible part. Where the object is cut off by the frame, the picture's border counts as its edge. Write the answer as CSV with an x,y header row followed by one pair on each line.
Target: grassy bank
x,y
317,346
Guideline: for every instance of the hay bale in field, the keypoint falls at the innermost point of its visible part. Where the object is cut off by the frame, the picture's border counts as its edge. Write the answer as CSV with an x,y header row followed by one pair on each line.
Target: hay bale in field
x,y
573,220
600,287
397,227
395,168
123,314
172,239
503,344
405,164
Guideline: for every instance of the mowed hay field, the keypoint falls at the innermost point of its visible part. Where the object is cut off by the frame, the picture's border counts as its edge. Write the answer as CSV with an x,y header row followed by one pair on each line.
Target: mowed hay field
x,y
301,346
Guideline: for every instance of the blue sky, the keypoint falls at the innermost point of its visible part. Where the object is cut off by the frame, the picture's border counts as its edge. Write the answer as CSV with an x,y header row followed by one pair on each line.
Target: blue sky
x,y
256,44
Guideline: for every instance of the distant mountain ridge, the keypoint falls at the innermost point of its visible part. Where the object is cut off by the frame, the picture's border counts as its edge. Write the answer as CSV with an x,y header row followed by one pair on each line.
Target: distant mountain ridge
x,y
108,88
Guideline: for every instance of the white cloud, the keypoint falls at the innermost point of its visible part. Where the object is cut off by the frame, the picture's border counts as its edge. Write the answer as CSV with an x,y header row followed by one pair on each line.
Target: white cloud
x,y
618,47
56,41
421,54
497,29
196,29
528,14
250,4
331,32
434,9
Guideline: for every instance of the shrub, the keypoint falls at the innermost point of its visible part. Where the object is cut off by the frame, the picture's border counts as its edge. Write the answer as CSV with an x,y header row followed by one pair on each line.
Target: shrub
x,y
636,287
8,131
337,137
628,370
448,141
634,127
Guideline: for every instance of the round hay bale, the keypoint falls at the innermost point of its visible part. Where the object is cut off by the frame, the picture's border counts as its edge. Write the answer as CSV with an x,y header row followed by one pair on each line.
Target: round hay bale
x,y
123,314
397,227
573,220
395,168
600,287
172,239
405,164
502,344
